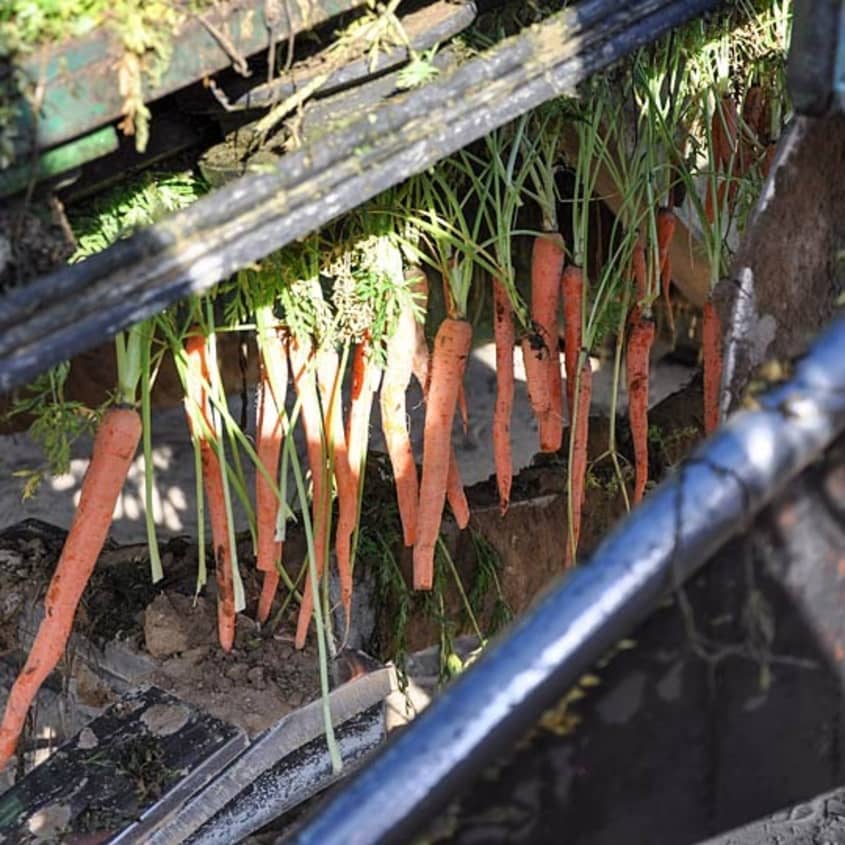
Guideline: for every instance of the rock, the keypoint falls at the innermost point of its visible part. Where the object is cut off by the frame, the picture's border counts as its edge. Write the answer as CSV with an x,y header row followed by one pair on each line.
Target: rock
x,y
256,678
172,624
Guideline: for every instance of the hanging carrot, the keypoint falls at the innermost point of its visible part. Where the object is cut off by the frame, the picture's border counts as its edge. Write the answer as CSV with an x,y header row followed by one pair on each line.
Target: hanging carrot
x,y
328,381
666,223
462,407
365,381
638,265
712,347
505,337
302,363
547,259
572,287
455,494
397,374
198,378
728,125
637,364
111,456
451,350
752,117
579,430
534,359
273,373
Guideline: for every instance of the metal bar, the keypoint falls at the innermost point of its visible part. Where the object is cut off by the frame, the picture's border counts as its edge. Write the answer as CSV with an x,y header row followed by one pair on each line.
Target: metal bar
x,y
289,733
714,495
296,778
59,160
80,306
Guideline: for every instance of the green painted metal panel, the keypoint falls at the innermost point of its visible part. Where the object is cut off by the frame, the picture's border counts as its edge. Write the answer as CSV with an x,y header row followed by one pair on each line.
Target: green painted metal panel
x,y
80,78
60,160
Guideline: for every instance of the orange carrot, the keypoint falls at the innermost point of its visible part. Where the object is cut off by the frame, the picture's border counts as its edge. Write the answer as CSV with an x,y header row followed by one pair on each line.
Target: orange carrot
x,y
111,456
579,429
547,259
197,402
274,371
451,349
462,406
728,124
638,265
534,355
365,380
769,159
505,336
637,360
397,374
420,367
301,352
328,378
455,494
752,116
711,342
666,222
572,287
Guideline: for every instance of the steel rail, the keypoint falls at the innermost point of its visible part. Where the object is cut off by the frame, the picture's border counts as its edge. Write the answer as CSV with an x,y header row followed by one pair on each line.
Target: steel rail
x,y
80,306
713,496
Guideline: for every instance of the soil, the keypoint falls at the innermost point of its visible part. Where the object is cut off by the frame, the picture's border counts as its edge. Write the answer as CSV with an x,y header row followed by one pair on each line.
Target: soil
x,y
33,241
174,633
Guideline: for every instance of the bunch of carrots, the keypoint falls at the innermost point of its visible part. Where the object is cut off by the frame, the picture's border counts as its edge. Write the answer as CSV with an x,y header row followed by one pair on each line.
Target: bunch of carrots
x,y
356,297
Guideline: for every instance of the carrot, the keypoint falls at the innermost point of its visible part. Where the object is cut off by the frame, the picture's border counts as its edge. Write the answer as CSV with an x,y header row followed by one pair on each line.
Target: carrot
x,y
421,367
712,346
268,448
111,456
547,257
637,359
752,116
451,349
638,266
579,430
456,495
753,110
505,336
572,287
462,406
666,222
197,401
723,129
301,353
769,158
397,374
365,379
328,378
533,359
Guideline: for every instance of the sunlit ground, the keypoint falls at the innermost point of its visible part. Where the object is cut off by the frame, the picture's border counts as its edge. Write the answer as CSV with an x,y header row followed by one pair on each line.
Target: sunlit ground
x,y
174,506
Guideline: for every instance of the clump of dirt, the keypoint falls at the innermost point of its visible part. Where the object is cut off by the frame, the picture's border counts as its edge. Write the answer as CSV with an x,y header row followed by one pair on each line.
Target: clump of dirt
x,y
262,679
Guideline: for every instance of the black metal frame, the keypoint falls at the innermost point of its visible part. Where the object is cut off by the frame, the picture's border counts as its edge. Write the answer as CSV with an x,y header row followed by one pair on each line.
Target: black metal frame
x,y
77,307
713,496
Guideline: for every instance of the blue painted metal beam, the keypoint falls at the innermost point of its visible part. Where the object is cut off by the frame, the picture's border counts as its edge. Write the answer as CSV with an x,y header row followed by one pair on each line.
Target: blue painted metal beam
x,y
713,496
